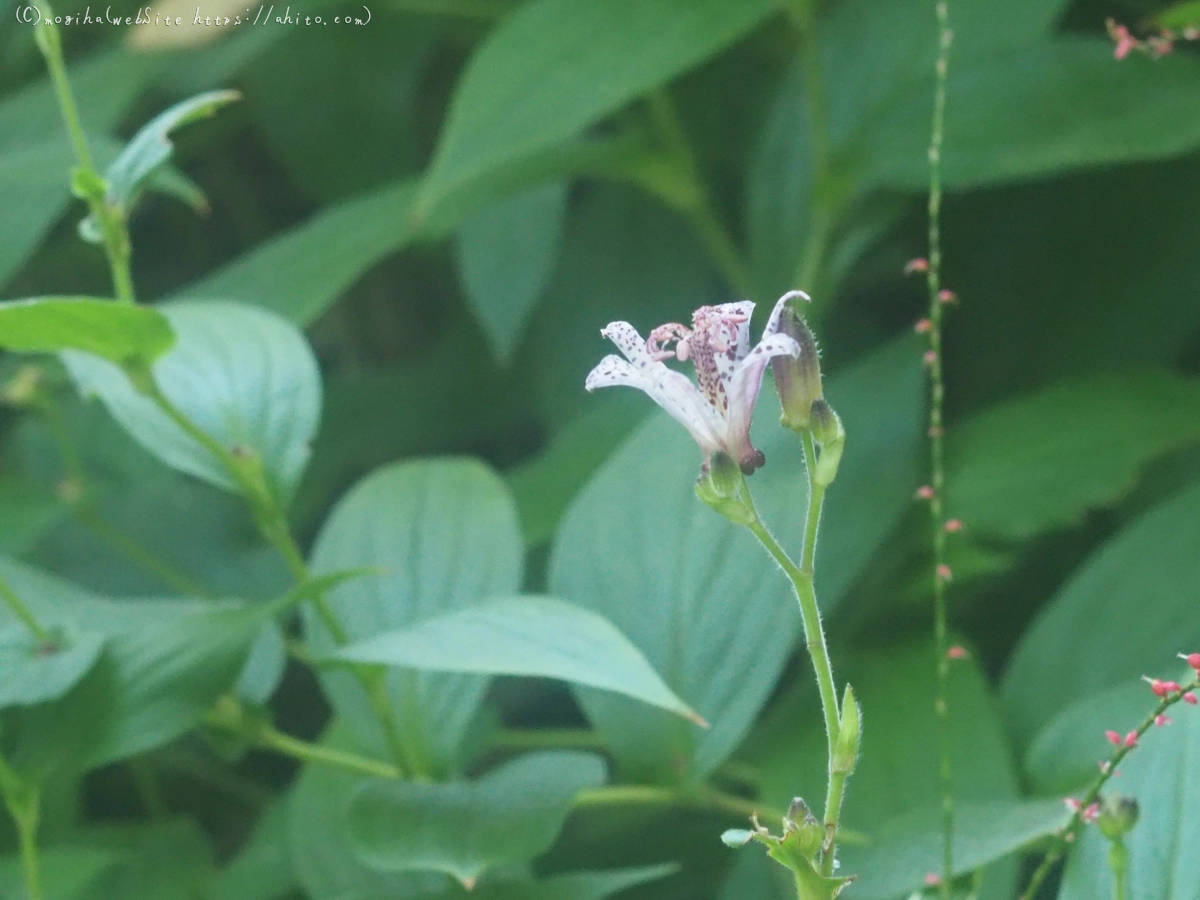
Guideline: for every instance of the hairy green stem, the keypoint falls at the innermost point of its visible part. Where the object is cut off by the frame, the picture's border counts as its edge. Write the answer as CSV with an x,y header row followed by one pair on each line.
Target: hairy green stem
x,y
814,634
937,392
1068,833
110,219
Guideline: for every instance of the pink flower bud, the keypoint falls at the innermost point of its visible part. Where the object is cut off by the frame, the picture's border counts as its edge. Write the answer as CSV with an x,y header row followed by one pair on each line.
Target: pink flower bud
x,y
1193,660
933,879
1189,697
1171,687
1161,720
1113,738
923,326
920,264
953,525
1131,739
930,357
925,492
944,573
1089,814
946,296
1072,804
956,652
1158,687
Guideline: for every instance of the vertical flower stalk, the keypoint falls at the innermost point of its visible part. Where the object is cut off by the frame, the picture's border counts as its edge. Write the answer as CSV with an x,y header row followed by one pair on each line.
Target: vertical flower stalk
x,y
717,412
938,300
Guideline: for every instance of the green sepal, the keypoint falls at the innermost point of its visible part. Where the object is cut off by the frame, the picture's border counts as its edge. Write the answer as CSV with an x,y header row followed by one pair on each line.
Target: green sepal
x,y
723,487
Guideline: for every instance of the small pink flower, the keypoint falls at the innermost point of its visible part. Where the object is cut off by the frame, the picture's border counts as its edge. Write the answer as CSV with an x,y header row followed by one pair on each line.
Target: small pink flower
x,y
1072,804
923,326
957,652
920,264
944,573
1131,739
930,357
925,492
1113,738
1159,687
1123,41
1089,814
1189,697
1161,720
1171,687
1193,660
953,525
933,879
946,296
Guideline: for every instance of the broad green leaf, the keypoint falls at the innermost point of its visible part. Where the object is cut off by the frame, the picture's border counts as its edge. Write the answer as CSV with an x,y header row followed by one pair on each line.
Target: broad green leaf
x,y
1179,16
318,839
262,869
506,254
151,147
167,661
245,376
264,666
701,599
523,636
1063,757
1125,612
119,332
1042,461
463,828
906,849
446,534
32,673
1038,109
299,273
543,486
554,67
67,872
1164,846
164,860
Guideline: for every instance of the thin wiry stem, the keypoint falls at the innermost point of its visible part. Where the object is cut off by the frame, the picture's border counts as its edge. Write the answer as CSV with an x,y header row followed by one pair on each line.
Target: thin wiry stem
x,y
937,392
1067,834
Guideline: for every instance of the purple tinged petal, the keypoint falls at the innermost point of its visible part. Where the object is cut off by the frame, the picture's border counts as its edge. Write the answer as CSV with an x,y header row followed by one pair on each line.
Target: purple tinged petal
x,y
743,395
773,321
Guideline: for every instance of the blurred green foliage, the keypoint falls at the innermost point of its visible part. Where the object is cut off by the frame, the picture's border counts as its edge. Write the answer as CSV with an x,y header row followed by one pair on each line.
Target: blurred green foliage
x,y
449,202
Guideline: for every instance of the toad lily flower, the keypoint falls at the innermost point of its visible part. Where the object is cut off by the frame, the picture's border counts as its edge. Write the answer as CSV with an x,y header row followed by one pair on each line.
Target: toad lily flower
x,y
717,413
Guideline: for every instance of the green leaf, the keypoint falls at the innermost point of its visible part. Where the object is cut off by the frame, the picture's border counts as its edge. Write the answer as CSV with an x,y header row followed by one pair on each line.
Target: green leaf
x,y
905,849
167,661
446,534
262,869
151,147
299,273
1038,109
509,815
554,67
165,860
701,599
119,332
1064,755
544,486
1125,612
33,673
1043,461
1179,16
506,254
523,636
246,377
67,872
322,856
1164,847
571,886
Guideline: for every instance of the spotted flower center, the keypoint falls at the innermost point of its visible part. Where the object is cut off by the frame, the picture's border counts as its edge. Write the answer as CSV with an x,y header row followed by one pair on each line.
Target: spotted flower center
x,y
712,344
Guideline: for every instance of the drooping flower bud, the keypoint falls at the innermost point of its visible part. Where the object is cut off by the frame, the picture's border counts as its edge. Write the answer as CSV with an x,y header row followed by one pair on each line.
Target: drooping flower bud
x,y
1117,816
827,429
723,487
808,831
797,380
845,750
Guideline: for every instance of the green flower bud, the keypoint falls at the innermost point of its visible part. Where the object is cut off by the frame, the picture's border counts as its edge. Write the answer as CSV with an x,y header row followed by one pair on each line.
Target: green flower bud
x,y
723,487
828,431
797,380
1118,814
845,750
808,831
